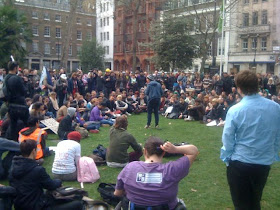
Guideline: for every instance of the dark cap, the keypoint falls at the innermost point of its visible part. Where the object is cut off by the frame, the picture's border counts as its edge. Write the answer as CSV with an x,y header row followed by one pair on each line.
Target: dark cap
x,y
151,77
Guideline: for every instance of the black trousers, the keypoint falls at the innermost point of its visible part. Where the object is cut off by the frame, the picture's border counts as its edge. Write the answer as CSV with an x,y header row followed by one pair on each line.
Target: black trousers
x,y
246,182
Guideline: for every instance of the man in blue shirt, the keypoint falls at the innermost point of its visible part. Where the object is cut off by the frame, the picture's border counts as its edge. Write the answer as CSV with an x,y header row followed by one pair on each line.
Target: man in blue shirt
x,y
154,93
251,140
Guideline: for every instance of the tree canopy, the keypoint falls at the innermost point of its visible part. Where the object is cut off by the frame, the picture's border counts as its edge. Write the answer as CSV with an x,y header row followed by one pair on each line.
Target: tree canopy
x,y
92,55
174,47
14,31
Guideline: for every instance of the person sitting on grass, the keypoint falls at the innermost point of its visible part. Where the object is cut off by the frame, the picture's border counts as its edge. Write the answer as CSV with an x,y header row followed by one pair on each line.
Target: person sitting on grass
x,y
120,141
95,115
62,112
121,106
36,134
66,157
30,179
151,184
66,125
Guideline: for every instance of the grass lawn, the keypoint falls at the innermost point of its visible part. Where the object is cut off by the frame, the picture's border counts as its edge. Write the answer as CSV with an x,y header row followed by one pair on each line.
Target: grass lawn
x,y
205,187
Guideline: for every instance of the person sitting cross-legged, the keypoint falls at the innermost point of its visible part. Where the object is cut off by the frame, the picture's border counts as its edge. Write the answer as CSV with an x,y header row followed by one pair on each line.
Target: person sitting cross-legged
x,y
95,115
152,184
120,141
30,179
67,154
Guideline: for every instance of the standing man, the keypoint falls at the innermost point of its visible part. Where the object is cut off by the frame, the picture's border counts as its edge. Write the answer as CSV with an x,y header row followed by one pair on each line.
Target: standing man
x,y
154,93
251,141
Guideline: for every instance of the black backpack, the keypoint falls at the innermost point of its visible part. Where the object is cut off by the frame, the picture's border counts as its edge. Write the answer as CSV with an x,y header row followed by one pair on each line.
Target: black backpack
x,y
107,193
100,151
67,194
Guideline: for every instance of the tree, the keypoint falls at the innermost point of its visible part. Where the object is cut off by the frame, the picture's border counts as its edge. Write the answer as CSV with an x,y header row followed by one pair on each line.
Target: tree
x,y
92,55
14,31
173,45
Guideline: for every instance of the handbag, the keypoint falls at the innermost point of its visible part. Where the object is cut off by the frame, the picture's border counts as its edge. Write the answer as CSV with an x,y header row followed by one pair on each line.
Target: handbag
x,y
106,191
67,194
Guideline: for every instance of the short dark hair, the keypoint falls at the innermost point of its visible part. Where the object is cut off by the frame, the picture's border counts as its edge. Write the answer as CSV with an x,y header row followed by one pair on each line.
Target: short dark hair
x,y
27,146
32,121
152,146
121,122
247,81
37,105
12,65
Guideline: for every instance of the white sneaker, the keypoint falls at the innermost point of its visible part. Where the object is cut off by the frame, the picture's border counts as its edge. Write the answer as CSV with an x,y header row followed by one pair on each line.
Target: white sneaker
x,y
189,118
128,114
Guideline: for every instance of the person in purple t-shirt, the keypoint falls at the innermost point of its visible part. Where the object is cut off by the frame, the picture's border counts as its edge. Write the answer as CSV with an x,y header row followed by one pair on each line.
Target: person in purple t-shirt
x,y
152,183
95,115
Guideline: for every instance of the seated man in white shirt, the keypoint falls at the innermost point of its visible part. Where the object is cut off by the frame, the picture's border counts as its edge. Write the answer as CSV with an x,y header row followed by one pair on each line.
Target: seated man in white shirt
x,y
67,155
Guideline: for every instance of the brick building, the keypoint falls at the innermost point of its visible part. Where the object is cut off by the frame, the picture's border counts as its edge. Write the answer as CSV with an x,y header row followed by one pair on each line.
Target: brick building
x,y
148,11
48,20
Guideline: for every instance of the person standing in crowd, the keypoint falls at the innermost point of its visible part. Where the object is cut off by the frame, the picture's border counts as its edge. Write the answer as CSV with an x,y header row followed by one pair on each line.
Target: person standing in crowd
x,y
251,140
48,83
61,88
107,83
17,108
141,80
120,141
72,84
154,93
91,81
227,83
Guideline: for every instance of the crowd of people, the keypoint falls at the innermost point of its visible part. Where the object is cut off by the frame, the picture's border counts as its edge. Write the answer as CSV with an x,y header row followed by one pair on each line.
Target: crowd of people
x,y
85,102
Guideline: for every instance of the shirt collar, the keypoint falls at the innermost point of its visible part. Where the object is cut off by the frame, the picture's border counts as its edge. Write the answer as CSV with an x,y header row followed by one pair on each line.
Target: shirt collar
x,y
246,97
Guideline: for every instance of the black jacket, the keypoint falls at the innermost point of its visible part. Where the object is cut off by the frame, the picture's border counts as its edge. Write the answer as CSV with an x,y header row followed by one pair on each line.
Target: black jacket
x,y
29,179
65,127
16,89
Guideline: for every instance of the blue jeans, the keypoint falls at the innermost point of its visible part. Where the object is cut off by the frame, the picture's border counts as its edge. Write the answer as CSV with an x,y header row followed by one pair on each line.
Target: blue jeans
x,y
92,125
153,106
108,121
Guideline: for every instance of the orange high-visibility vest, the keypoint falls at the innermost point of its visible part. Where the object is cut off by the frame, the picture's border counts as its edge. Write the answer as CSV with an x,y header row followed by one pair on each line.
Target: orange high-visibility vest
x,y
36,136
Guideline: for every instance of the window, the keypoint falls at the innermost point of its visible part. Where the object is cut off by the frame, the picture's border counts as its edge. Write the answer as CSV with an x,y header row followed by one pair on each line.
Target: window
x,y
34,15
35,31
254,43
47,49
264,0
70,50
104,36
101,22
89,23
58,18
246,1
120,28
79,21
245,45
104,22
79,49
107,6
89,35
101,37
264,43
58,49
264,17
47,31
255,18
58,32
79,35
246,19
255,1
107,21
46,16
35,46
100,7
107,50
108,36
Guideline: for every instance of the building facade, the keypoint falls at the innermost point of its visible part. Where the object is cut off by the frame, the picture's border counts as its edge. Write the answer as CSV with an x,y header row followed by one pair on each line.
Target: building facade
x,y
105,29
130,32
49,20
254,41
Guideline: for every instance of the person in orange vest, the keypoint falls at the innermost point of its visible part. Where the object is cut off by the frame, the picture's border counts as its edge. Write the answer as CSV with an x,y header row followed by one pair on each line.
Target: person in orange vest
x,y
33,132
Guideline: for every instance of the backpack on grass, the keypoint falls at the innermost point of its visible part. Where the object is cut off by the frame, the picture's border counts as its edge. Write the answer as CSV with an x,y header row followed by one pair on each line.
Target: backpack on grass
x,y
87,170
107,193
67,194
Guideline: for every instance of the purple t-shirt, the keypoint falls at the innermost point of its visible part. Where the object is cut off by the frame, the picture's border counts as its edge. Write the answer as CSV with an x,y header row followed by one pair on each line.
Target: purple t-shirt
x,y
152,184
95,114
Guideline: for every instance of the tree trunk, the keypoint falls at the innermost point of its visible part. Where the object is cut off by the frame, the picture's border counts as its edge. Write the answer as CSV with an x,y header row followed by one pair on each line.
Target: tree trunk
x,y
68,33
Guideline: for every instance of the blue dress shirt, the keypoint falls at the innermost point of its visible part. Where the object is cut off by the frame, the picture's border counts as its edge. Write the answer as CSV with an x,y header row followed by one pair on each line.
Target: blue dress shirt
x,y
252,131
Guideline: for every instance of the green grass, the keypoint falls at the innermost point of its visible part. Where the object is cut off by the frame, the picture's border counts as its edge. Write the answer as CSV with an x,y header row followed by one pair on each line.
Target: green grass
x,y
205,187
